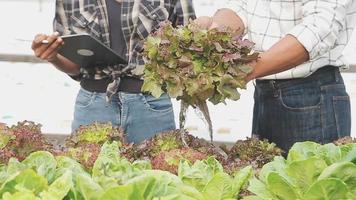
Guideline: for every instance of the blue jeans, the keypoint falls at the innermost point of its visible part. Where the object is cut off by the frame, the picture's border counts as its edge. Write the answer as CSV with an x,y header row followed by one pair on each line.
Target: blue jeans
x,y
315,108
140,115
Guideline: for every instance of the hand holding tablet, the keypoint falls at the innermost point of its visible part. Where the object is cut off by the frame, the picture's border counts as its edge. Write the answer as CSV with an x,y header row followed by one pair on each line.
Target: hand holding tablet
x,y
86,51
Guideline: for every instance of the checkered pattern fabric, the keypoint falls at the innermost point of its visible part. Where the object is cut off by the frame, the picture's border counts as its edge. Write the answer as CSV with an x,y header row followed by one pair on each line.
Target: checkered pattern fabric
x,y
138,18
323,27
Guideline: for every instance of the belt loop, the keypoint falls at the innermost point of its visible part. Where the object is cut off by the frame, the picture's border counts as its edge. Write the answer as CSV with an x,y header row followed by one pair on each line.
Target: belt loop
x,y
275,88
337,75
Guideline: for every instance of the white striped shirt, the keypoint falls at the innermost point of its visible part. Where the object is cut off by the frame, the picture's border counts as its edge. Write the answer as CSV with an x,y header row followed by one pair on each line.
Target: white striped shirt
x,y
323,27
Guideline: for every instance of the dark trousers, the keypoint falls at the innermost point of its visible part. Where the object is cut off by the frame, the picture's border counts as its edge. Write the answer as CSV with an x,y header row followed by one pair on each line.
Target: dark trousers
x,y
315,108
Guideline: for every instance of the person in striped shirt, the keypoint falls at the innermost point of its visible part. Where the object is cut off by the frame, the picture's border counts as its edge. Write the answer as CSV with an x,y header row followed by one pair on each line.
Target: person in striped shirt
x,y
299,92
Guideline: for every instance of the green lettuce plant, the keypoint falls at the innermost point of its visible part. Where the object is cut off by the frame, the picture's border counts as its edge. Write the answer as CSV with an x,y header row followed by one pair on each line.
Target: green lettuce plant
x,y
196,65
21,140
311,171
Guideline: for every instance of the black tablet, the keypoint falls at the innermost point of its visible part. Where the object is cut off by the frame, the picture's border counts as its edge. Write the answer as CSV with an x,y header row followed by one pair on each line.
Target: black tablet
x,y
86,51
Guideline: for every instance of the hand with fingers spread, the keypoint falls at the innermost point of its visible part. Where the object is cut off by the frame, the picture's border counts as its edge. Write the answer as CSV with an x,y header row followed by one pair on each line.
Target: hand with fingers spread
x,y
46,47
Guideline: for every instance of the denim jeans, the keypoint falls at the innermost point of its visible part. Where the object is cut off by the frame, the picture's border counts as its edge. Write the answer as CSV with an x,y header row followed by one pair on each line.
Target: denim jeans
x,y
140,115
315,108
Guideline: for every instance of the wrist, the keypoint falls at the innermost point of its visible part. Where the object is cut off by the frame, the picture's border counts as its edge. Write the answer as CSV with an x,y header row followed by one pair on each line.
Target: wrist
x,y
54,59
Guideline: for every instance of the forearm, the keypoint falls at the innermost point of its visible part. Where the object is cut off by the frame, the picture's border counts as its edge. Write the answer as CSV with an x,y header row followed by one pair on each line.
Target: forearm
x,y
284,55
65,65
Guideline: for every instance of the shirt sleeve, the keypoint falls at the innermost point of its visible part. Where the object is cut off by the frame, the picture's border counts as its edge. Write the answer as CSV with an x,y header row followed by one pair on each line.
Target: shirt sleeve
x,y
183,12
60,22
240,8
321,23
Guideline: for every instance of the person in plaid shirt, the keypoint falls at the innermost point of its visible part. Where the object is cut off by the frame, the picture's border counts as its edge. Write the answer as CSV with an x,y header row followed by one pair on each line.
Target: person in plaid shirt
x,y
299,92
113,93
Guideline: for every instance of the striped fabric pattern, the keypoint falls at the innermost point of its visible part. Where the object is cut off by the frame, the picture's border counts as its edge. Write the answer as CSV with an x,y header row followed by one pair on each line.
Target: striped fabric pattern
x,y
323,27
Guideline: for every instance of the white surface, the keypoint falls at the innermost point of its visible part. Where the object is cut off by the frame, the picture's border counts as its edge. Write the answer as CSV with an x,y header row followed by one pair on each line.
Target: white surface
x,y
40,93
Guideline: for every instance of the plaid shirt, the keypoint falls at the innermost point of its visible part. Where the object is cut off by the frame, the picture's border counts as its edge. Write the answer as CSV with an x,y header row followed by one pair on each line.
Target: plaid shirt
x,y
323,27
138,19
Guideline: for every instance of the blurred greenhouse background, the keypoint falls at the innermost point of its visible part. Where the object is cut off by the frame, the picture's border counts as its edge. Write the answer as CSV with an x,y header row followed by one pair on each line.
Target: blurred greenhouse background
x,y
38,92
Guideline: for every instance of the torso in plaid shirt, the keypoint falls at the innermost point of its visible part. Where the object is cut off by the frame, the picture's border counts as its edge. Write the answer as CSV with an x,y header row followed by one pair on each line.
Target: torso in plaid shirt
x,y
138,19
324,27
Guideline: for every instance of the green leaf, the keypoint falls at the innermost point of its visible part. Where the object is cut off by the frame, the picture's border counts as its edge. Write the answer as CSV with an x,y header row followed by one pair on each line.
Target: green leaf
x,y
124,192
26,180
152,87
344,171
348,152
241,179
111,170
330,153
175,90
306,172
277,165
200,173
43,162
252,198
219,187
59,188
198,66
281,187
152,46
24,195
88,187
14,166
150,184
327,189
260,189
302,151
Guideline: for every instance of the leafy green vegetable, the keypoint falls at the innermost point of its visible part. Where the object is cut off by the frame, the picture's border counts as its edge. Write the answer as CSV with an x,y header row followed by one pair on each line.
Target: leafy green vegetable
x,y
23,195
311,171
345,171
21,140
43,162
59,188
251,151
111,170
85,154
169,160
88,187
281,188
327,189
26,180
196,65
96,133
208,177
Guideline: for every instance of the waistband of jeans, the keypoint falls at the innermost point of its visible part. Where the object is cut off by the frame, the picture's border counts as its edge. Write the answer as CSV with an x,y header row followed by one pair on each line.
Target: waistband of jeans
x,y
127,84
325,74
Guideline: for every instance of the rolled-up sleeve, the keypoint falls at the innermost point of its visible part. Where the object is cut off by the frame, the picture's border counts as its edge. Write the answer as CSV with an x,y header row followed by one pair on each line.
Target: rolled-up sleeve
x,y
240,8
321,23
60,22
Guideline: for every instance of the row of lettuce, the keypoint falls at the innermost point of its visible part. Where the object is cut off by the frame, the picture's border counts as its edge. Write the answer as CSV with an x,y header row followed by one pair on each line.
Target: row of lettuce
x,y
310,171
